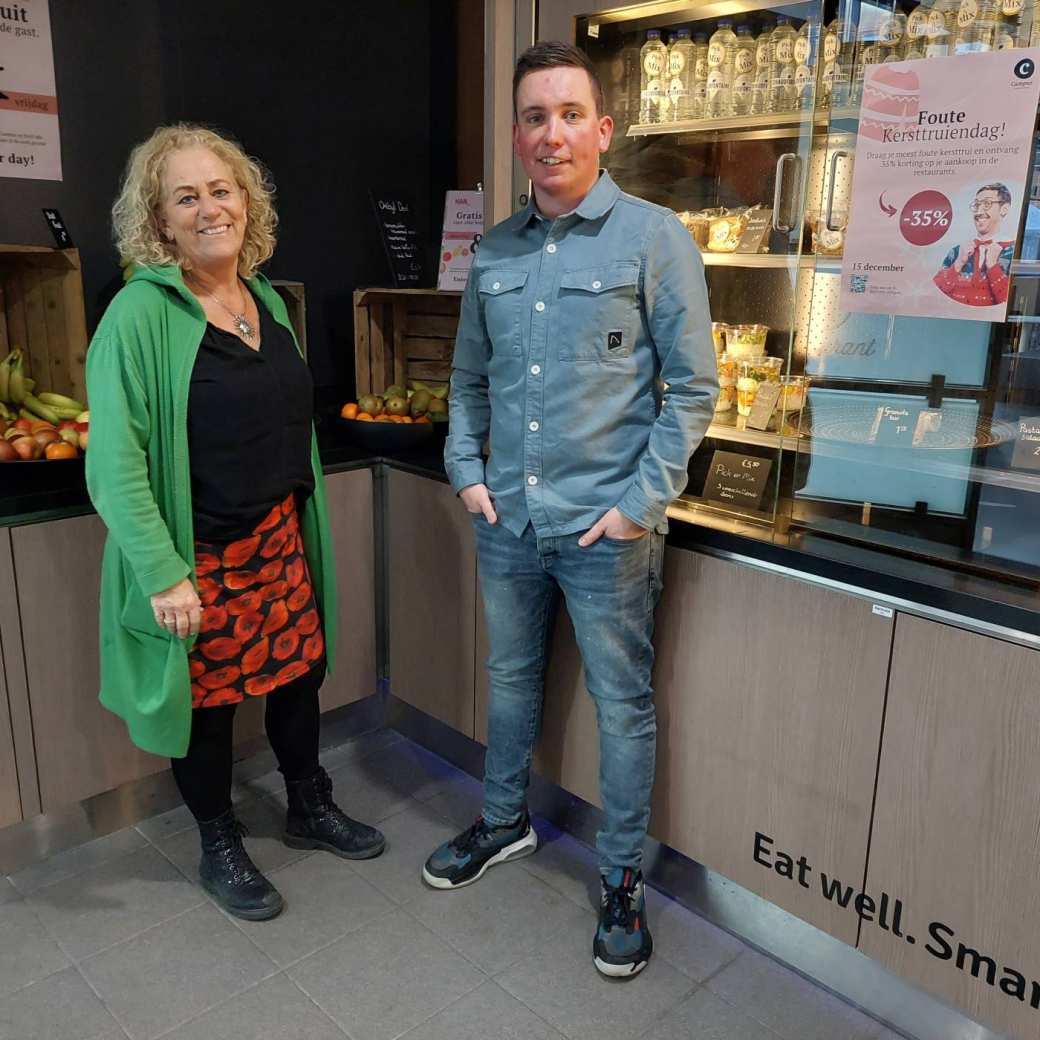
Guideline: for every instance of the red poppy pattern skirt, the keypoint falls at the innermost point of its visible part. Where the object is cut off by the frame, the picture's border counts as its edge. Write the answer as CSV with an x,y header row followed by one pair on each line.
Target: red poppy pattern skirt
x,y
260,623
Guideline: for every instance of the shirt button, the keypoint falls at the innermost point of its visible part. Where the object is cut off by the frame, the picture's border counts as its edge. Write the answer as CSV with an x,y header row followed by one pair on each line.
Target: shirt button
x,y
536,370
497,285
533,427
550,248
539,306
597,285
532,481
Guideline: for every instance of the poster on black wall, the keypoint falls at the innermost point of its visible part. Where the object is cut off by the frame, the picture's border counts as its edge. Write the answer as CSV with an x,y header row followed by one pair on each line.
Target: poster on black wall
x,y
30,143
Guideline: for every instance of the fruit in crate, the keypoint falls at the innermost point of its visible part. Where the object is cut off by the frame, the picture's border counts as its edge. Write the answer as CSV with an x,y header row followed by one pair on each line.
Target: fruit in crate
x,y
31,412
421,403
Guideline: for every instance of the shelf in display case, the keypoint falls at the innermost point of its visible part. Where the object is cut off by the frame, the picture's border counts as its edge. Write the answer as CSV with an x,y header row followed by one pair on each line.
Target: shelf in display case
x,y
728,426
771,260
771,124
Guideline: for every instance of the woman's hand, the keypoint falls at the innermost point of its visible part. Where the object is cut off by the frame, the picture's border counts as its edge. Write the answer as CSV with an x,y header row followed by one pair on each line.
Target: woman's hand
x,y
178,610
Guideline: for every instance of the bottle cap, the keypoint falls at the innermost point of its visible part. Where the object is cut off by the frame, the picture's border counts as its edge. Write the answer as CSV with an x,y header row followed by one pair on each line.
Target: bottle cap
x,y
653,34
683,34
725,23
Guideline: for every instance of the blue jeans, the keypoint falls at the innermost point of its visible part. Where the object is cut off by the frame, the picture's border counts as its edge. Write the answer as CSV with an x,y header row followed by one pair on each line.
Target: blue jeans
x,y
611,589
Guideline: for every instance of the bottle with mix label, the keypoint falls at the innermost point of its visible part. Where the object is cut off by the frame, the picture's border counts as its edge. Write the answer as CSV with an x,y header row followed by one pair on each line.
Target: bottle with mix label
x,y
743,71
761,89
653,62
916,43
721,50
892,39
680,75
942,28
700,76
806,54
782,77
976,26
868,52
1011,29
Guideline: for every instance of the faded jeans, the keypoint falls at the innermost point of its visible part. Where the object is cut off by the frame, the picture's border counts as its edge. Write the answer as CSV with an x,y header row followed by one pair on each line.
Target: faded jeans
x,y
611,589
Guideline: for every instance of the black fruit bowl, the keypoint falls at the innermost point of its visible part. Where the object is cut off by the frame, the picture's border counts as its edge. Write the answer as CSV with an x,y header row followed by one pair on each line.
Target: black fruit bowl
x,y
41,475
385,436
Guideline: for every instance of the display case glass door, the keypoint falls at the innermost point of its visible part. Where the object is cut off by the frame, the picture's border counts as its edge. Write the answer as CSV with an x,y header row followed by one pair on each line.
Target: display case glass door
x,y
714,119
920,433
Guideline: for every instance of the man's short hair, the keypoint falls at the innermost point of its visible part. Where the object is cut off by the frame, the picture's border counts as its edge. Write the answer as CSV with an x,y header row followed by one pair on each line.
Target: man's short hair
x,y
1003,194
554,54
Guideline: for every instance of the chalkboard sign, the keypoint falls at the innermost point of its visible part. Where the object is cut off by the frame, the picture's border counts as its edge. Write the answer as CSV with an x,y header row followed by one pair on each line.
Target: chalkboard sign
x,y
895,425
404,248
1027,444
737,480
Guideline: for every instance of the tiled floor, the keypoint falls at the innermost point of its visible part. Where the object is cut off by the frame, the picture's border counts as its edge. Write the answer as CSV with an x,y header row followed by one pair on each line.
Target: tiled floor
x,y
115,939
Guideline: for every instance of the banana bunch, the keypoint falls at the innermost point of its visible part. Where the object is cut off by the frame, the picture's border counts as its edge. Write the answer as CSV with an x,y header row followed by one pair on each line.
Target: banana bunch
x,y
17,399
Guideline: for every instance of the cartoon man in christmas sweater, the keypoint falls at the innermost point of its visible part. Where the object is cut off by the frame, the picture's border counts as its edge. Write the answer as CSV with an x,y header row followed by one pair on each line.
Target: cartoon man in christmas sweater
x,y
977,272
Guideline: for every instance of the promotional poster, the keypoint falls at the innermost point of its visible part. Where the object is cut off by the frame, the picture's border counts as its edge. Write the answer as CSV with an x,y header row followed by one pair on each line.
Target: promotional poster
x,y
463,226
942,162
30,143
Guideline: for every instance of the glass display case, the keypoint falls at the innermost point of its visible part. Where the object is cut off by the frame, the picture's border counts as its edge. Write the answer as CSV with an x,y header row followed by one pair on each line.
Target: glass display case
x,y
917,436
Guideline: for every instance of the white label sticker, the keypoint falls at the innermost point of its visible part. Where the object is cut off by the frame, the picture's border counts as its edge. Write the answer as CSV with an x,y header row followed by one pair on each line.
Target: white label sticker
x,y
785,51
917,24
830,47
744,62
936,24
742,86
801,50
653,63
883,611
676,62
716,55
762,53
700,70
716,82
967,13
803,79
1011,7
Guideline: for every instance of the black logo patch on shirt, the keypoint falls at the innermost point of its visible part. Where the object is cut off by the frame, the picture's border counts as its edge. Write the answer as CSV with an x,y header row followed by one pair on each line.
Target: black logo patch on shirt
x,y
614,340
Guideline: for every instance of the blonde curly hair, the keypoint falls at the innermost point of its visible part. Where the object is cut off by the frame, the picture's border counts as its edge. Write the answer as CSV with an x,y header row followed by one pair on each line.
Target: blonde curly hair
x,y
135,213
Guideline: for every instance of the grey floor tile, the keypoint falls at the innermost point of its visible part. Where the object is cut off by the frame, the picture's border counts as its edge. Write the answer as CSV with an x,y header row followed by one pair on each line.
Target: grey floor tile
x,y
357,748
411,836
112,902
787,1003
62,1007
706,1017
27,952
460,801
499,920
488,1013
365,794
400,975
566,864
77,860
560,980
158,828
170,974
265,822
692,944
419,772
8,893
274,1010
325,900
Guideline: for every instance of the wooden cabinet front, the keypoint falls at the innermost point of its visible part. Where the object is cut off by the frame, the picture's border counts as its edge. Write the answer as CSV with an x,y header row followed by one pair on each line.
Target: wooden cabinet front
x,y
956,835
10,798
431,574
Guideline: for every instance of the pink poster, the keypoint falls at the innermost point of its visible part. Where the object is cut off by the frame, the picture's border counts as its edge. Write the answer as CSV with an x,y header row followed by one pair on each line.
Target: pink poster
x,y
942,159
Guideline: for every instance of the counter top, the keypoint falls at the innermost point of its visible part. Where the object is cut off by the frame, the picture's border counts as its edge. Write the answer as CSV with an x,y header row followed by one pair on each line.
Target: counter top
x,y
1015,608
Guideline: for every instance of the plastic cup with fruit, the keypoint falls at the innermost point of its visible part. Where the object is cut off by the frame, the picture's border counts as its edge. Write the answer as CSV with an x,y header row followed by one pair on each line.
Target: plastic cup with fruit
x,y
726,368
718,335
793,390
750,375
746,341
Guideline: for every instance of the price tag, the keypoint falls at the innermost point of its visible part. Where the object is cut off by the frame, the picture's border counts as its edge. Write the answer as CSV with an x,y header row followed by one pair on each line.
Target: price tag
x,y
894,426
763,406
755,238
62,238
1027,444
737,480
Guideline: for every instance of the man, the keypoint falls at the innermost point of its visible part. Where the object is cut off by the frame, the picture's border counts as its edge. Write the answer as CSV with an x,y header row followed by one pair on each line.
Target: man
x,y
575,309
977,272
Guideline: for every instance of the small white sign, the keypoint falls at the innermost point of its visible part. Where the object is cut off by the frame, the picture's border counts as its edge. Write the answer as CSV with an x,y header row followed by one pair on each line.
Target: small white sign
x,y
883,611
463,227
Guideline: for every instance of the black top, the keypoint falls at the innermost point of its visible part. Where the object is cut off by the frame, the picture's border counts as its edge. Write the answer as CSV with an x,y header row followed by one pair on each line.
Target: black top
x,y
249,429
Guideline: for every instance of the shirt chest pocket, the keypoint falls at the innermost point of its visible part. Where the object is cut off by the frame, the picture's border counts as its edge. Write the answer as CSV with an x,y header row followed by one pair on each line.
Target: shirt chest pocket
x,y
599,307
501,292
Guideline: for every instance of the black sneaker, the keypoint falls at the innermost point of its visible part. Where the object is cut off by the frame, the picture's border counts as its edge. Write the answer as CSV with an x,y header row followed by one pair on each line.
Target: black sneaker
x,y
622,946
466,857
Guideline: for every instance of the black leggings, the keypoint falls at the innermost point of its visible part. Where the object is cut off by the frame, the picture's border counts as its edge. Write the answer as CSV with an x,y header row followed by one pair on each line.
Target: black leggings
x,y
292,717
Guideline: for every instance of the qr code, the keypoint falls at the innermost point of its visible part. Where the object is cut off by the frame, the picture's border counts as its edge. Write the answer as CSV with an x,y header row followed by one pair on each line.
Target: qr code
x,y
858,283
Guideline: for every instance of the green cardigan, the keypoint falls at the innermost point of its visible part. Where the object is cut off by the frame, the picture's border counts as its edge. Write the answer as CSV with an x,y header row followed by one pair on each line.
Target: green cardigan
x,y
139,369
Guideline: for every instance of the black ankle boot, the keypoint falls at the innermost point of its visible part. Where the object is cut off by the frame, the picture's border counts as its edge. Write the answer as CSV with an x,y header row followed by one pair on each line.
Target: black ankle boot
x,y
230,876
315,821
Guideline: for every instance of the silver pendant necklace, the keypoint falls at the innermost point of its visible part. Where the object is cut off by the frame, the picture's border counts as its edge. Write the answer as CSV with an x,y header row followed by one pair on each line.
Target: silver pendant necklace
x,y
244,326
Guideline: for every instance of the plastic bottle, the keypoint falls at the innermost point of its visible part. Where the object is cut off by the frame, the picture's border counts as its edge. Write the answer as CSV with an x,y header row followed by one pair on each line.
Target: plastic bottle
x,y
1011,28
680,75
721,50
868,52
743,72
653,61
782,87
917,31
806,54
760,91
700,76
892,40
976,26
942,28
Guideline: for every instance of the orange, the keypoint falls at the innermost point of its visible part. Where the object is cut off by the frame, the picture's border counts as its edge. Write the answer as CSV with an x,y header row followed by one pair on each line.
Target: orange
x,y
407,419
60,450
424,419
364,417
384,418
349,411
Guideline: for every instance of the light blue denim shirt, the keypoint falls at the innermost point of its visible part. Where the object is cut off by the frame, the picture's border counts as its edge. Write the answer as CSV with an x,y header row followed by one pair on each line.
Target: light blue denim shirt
x,y
568,329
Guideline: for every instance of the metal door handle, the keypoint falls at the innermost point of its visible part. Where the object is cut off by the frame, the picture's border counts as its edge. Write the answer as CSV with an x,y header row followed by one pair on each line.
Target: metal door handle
x,y
830,191
778,192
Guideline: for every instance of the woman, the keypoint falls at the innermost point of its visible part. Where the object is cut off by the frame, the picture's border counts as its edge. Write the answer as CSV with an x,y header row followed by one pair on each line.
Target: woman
x,y
217,583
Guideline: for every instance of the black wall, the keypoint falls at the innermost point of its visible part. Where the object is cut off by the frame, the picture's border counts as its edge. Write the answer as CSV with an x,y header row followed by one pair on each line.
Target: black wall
x,y
332,97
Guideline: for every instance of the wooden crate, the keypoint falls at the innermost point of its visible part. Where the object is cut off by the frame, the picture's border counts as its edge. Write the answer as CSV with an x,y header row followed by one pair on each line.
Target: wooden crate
x,y
403,334
41,311
296,304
